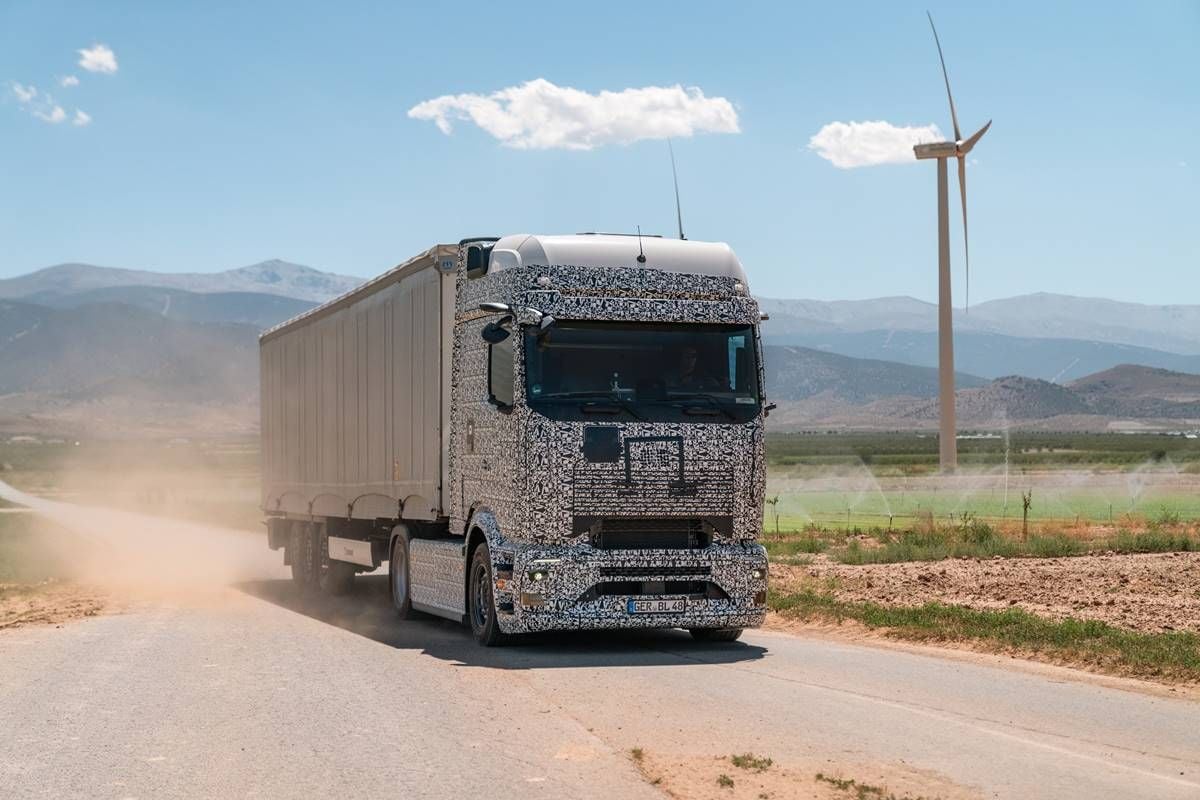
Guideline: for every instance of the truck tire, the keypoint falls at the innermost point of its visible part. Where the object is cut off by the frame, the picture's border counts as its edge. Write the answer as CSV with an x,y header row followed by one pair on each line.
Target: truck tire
x,y
398,577
337,577
305,560
481,600
715,634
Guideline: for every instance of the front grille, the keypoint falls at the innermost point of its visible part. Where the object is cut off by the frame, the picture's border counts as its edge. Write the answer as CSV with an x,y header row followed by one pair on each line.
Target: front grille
x,y
703,487
651,533
696,590
653,572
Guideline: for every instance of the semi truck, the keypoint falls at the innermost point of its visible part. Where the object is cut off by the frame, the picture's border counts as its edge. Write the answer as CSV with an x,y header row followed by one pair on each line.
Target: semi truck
x,y
533,432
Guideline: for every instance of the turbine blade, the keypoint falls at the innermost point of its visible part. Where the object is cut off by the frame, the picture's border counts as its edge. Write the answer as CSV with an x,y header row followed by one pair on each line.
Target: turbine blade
x,y
946,77
675,179
966,146
962,188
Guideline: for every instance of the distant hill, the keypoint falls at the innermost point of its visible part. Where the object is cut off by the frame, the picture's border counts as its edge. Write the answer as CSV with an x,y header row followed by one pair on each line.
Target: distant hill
x,y
798,373
1122,395
268,277
990,355
1009,399
1134,390
1169,328
110,368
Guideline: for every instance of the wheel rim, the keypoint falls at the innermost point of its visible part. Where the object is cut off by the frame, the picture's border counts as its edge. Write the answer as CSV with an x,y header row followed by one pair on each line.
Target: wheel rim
x,y
479,597
399,573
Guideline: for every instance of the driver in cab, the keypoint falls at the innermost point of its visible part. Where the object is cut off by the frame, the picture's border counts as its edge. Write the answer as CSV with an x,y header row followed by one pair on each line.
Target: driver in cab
x,y
687,376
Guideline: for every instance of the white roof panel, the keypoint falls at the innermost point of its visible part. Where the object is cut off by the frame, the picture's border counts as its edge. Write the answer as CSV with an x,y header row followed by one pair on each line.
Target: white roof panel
x,y
615,250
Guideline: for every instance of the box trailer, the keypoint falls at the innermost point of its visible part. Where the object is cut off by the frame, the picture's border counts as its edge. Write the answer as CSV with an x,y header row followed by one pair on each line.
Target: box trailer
x,y
533,432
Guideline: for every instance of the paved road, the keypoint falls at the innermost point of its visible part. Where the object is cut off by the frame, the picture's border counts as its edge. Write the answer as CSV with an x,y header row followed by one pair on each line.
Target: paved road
x,y
253,691
256,693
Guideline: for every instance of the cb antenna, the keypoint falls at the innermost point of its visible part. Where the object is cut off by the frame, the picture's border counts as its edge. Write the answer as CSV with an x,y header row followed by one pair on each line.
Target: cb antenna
x,y
675,178
641,259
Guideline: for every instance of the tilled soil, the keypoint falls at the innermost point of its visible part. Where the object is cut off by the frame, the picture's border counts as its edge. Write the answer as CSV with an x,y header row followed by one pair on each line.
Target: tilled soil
x,y
1152,593
49,603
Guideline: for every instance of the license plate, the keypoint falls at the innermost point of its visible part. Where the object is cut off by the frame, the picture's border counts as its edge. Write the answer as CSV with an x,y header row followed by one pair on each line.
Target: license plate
x,y
660,605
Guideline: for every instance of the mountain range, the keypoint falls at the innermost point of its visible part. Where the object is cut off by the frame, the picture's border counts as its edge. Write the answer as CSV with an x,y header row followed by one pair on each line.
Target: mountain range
x,y
273,277
1169,328
115,351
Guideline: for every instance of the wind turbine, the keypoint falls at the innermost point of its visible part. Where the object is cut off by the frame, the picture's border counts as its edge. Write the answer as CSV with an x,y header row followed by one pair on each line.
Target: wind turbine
x,y
947,444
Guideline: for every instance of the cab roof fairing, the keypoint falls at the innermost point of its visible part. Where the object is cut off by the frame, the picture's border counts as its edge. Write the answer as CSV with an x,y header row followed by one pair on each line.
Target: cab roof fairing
x,y
598,251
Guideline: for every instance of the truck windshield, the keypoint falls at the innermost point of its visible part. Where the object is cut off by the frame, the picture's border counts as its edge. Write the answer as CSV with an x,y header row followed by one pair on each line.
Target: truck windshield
x,y
683,372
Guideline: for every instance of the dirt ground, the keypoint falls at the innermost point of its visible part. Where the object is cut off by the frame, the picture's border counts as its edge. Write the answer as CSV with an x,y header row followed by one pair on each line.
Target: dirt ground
x,y
50,603
1152,593
719,778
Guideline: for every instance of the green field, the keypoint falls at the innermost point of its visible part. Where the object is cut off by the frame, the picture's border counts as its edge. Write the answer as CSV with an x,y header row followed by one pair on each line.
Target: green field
x,y
891,480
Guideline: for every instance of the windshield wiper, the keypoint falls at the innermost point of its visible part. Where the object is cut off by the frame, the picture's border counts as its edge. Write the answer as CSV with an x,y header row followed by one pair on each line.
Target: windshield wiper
x,y
600,401
596,393
708,398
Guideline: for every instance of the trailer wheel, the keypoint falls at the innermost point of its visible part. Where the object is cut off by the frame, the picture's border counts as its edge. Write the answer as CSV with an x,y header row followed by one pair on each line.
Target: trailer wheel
x,y
305,560
398,577
481,600
715,634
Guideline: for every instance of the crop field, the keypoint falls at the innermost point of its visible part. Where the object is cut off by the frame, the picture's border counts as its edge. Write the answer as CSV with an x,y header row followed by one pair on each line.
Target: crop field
x,y
891,481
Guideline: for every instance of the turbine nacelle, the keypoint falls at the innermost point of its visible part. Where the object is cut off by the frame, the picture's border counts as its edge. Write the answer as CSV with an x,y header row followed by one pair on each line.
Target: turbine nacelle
x,y
951,149
936,150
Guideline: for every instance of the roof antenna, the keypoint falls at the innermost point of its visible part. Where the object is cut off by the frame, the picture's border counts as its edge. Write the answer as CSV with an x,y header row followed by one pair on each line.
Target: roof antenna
x,y
675,178
641,259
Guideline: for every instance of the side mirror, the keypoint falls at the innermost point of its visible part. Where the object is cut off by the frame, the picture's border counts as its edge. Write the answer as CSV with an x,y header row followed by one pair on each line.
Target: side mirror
x,y
495,332
768,408
478,258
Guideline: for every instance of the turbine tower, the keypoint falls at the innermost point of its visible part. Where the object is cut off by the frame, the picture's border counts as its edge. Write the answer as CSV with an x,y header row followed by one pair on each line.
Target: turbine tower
x,y
947,445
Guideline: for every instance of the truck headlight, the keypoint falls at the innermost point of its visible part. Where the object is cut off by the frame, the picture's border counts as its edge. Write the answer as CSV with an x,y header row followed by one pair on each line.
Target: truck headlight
x,y
758,573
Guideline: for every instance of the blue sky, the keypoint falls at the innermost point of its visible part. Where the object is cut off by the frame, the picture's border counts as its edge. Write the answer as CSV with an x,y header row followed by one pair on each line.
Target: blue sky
x,y
235,132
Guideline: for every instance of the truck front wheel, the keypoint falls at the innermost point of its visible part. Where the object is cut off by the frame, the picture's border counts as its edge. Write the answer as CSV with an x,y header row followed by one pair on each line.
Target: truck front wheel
x,y
481,600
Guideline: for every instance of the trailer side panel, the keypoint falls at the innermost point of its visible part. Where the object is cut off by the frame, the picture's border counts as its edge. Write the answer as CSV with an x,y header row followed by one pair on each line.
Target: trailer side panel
x,y
354,400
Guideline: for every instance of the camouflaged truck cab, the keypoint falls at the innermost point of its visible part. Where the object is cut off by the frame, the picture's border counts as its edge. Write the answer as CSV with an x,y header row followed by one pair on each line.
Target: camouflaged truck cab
x,y
535,432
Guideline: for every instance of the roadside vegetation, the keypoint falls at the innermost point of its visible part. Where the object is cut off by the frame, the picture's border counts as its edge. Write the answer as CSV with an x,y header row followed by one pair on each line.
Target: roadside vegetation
x,y
862,791
1172,655
973,538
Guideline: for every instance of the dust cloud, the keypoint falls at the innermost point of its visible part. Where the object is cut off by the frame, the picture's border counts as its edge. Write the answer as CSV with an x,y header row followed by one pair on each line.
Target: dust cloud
x,y
129,550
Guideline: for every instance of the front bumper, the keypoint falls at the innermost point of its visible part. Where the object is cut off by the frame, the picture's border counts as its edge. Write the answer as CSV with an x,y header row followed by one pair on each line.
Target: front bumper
x,y
584,588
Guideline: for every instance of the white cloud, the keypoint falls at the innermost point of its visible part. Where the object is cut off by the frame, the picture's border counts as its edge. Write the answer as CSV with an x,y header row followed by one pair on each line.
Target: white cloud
x,y
81,119
25,94
538,115
865,144
51,114
68,81
98,58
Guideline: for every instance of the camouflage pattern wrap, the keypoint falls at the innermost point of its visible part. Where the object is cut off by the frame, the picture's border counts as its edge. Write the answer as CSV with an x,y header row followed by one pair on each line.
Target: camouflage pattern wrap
x,y
520,478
